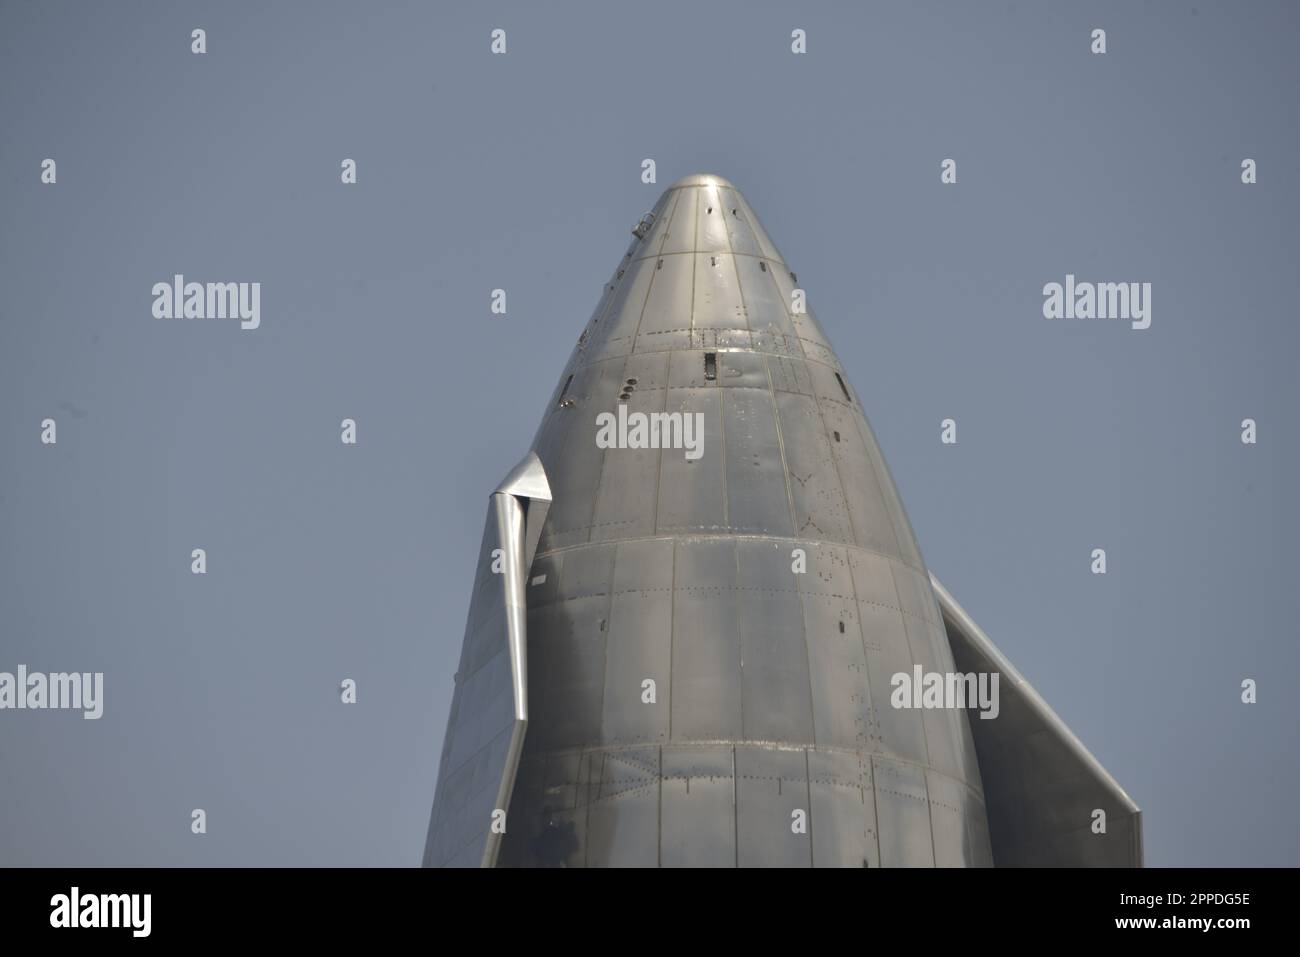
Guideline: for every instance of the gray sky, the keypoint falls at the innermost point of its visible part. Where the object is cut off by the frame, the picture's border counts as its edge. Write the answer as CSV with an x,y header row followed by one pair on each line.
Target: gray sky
x,y
523,172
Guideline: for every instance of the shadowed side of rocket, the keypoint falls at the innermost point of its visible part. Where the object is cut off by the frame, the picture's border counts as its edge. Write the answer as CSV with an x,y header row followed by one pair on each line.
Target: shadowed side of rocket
x,y
694,596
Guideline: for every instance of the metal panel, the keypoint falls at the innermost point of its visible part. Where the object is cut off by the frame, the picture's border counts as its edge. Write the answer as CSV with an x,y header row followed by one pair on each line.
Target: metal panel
x,y
668,303
977,830
771,789
574,460
681,230
873,579
942,733
906,538
955,843
710,222
776,702
613,335
902,730
741,236
556,826
806,324
486,710
658,567
646,372
957,726
1041,785
698,808
623,817
764,307
843,810
868,511
755,473
653,241
622,506
607,294
765,243
639,644
489,712
686,370
743,370
789,374
842,713
542,589
706,692
717,303
830,385
914,595
524,821
819,508
691,491
571,652
903,814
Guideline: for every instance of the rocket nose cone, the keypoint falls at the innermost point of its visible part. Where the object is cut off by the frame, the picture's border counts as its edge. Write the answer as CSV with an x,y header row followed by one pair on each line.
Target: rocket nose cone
x,y
703,179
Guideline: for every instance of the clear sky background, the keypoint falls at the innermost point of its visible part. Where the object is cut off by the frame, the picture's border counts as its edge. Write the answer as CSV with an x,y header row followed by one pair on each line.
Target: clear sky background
x,y
522,171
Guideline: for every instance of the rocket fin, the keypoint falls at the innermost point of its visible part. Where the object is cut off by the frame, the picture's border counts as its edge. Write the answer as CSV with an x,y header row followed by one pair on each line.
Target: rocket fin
x,y
489,708
1041,785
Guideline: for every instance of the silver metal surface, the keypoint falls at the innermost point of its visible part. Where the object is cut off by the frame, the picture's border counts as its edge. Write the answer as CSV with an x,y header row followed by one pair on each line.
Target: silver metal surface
x,y
489,709
1041,784
768,737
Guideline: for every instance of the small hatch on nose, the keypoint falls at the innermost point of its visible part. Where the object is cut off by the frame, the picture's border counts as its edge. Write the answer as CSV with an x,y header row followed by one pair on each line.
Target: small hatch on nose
x,y
643,227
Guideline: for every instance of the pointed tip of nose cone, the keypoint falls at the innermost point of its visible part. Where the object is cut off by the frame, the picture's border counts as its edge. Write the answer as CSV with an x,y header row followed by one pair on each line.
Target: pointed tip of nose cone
x,y
703,179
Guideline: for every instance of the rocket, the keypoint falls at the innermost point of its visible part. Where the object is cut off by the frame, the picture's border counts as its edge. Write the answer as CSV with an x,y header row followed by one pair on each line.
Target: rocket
x,y
701,631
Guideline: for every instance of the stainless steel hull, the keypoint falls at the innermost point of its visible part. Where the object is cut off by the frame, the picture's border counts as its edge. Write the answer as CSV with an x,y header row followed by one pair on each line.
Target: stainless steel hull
x,y
710,641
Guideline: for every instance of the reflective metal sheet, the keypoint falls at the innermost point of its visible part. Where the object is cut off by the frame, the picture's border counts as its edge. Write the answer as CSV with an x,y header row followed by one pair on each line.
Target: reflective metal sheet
x,y
764,308
706,690
820,510
710,222
772,679
691,491
956,844
490,707
775,689
653,242
1041,784
639,645
674,283
765,244
742,239
698,808
623,508
843,810
681,230
903,814
773,821
623,816
755,474
570,654
869,513
902,730
717,303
